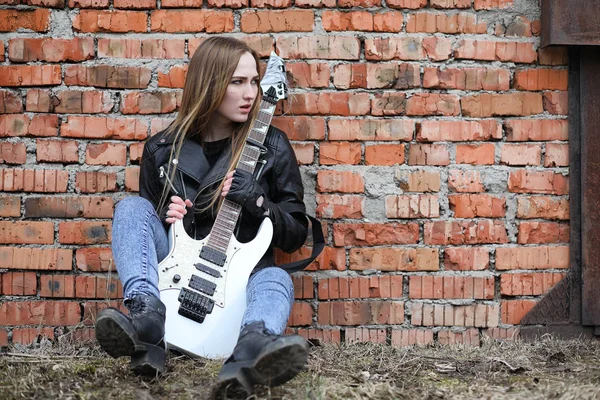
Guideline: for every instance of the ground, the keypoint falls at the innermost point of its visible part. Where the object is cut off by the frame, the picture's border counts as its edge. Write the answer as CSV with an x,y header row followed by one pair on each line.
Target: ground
x,y
546,369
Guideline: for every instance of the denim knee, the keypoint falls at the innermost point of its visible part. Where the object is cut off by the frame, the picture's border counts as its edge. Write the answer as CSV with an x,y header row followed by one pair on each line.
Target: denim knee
x,y
132,206
278,275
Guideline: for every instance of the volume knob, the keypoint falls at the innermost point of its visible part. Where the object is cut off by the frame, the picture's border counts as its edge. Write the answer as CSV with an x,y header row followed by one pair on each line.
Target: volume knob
x,y
176,278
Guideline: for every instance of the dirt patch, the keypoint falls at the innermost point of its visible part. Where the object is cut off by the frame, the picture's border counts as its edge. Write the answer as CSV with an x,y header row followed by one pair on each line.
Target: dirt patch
x,y
547,369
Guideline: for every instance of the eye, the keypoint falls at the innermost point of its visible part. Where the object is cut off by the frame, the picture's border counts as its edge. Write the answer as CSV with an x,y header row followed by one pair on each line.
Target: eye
x,y
236,82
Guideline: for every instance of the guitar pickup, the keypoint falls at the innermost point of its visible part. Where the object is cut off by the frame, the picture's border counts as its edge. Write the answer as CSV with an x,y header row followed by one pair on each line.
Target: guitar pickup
x,y
202,285
207,270
212,255
194,305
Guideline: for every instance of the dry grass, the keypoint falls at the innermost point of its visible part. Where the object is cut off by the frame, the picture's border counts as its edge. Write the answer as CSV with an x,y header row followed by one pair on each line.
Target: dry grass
x,y
547,369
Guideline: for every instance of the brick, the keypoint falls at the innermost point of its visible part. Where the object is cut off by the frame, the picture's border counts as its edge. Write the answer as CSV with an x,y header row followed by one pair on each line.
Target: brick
x,y
384,154
476,154
10,103
23,125
141,48
432,104
176,21
29,180
395,259
543,207
477,315
428,154
376,287
494,79
339,181
269,3
37,20
464,232
451,287
486,50
412,206
301,128
320,47
104,128
301,315
502,333
28,336
3,338
552,55
408,48
98,287
361,335
174,78
57,286
305,152
412,4
373,234
13,153
10,206
372,76
315,75
132,179
493,105
106,154
533,284
477,205
542,182
521,154
56,313
411,337
38,100
320,335
39,3
19,283
514,310
541,79
467,337
539,257
359,3
330,259
82,102
429,22
556,103
107,76
360,313
150,102
21,232
451,3
520,26
332,153
94,259
96,182
137,4
92,308
84,232
30,75
542,232
75,49
336,206
536,130
110,21
60,151
53,259
371,129
335,103
88,3
390,21
303,287
466,258
69,207
253,21
418,181
492,4
185,3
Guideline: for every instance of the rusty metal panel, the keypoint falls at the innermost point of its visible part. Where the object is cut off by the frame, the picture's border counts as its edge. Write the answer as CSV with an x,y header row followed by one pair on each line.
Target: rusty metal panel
x,y
589,113
570,22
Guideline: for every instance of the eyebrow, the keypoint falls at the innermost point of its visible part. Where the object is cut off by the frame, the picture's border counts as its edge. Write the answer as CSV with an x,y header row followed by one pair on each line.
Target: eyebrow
x,y
243,77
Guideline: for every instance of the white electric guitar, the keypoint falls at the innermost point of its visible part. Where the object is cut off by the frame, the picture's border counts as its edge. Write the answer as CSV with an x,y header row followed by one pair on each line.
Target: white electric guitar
x,y
203,282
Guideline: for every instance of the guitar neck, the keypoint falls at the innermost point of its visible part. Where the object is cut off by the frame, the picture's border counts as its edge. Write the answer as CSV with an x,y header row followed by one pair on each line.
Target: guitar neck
x,y
229,211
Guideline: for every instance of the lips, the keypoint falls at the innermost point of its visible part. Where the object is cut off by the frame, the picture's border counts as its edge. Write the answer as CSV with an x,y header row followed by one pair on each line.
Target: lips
x,y
246,108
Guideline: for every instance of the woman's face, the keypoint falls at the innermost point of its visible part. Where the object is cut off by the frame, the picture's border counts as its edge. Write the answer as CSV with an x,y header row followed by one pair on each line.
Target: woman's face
x,y
241,92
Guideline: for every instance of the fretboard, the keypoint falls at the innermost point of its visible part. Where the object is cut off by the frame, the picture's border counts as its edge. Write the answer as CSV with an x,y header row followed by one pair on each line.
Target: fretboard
x,y
229,212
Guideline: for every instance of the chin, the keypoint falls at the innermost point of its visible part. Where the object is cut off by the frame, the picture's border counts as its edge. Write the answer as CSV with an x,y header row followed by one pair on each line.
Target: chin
x,y
239,118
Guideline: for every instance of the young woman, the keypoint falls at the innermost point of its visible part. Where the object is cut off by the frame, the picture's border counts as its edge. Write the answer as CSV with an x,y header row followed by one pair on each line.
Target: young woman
x,y
185,171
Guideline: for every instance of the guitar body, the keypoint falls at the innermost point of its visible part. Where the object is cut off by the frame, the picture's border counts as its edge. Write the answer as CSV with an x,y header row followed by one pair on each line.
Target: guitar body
x,y
217,335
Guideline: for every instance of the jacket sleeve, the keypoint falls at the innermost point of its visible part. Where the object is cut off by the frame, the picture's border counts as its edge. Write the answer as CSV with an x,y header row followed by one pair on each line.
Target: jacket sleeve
x,y
287,209
150,184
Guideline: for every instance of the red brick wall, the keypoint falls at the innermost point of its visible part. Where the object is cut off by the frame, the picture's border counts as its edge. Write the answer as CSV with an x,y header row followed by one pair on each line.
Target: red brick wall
x,y
432,135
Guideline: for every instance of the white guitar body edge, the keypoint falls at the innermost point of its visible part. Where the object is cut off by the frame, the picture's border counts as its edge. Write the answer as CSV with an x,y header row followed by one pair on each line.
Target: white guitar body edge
x,y
217,335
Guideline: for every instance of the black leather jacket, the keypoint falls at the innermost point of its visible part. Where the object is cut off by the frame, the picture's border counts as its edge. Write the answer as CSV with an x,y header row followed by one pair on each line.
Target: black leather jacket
x,y
196,180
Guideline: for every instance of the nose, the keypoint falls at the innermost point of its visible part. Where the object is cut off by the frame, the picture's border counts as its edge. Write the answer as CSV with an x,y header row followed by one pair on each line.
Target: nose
x,y
250,92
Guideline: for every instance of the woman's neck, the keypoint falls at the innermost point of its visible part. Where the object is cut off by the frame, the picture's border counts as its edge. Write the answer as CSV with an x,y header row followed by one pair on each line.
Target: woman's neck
x,y
218,128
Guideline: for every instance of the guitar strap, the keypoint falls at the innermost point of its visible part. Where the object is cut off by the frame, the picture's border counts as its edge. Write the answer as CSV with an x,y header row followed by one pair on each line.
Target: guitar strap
x,y
317,248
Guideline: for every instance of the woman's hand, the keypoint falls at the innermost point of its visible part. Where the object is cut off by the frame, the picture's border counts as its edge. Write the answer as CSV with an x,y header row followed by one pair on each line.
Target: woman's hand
x,y
227,184
177,209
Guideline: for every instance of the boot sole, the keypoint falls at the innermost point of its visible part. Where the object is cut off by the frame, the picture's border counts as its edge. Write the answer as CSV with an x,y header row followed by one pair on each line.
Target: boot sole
x,y
115,334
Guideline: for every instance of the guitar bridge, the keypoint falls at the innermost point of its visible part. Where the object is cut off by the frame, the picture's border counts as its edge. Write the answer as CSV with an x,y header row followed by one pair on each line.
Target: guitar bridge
x,y
194,306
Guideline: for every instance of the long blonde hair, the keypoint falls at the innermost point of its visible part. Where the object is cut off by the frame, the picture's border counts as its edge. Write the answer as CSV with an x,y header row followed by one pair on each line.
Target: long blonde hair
x,y
209,73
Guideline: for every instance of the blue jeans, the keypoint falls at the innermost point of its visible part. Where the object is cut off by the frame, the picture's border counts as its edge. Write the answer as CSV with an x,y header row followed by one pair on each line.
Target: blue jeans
x,y
140,243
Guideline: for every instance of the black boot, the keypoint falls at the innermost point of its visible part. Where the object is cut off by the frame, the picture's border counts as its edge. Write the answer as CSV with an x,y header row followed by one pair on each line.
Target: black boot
x,y
261,357
139,334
